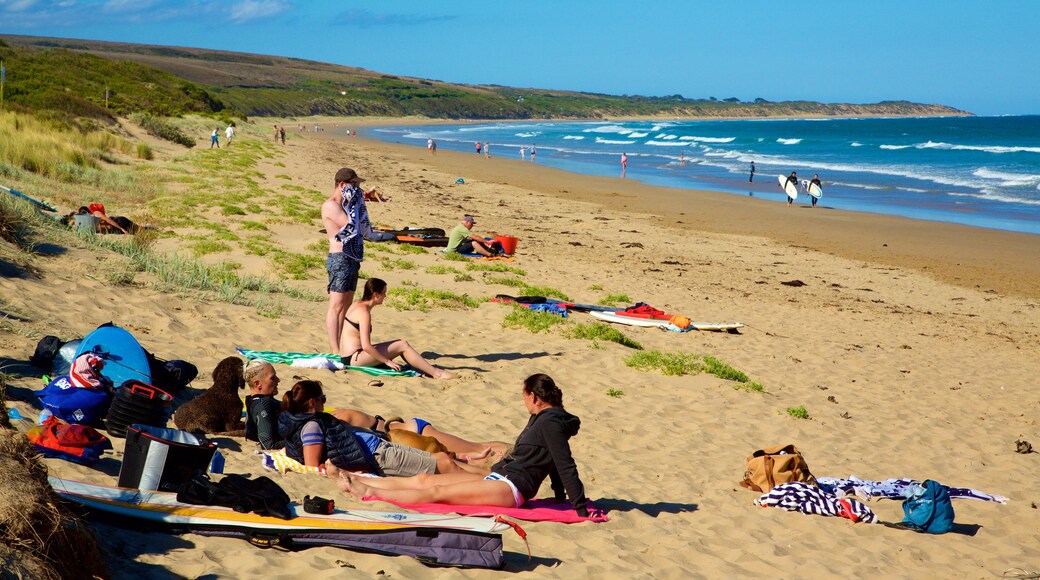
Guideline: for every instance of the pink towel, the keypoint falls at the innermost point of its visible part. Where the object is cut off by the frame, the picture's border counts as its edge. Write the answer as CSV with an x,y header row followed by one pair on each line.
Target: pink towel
x,y
536,510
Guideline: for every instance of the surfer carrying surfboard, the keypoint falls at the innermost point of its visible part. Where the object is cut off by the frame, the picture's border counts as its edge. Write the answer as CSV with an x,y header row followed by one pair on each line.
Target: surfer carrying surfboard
x,y
819,187
792,181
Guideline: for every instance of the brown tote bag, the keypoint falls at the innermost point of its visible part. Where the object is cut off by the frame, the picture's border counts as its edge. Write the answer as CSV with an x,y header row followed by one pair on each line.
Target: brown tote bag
x,y
769,467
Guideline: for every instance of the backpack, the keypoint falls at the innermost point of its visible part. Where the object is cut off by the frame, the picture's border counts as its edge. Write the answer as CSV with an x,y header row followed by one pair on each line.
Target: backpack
x,y
928,509
769,467
261,495
46,350
171,375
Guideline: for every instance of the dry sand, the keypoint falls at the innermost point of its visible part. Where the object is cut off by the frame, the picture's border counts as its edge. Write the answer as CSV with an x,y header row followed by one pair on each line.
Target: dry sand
x,y
912,345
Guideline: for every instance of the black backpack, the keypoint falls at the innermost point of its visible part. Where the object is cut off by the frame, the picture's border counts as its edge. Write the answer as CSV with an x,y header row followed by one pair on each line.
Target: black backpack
x,y
46,350
261,495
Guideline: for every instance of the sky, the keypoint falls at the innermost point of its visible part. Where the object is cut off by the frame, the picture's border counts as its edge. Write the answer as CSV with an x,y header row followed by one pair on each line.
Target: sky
x,y
981,56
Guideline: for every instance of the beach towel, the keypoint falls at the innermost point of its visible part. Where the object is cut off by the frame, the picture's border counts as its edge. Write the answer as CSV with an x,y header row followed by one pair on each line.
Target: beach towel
x,y
556,309
895,489
536,510
809,499
277,460
319,360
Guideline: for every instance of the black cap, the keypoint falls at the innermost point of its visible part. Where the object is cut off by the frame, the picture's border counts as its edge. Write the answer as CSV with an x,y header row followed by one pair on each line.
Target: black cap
x,y
347,174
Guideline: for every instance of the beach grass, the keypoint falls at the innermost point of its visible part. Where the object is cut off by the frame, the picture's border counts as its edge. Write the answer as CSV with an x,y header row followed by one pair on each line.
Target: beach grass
x,y
423,300
612,299
454,257
437,269
532,320
599,331
798,412
616,393
495,267
679,363
505,281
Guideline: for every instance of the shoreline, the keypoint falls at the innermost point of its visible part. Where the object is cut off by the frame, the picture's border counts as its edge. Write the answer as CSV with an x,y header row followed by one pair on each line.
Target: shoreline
x,y
967,256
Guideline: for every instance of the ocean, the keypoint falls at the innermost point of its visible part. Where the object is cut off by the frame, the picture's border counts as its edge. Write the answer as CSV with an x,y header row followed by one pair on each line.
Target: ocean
x,y
978,171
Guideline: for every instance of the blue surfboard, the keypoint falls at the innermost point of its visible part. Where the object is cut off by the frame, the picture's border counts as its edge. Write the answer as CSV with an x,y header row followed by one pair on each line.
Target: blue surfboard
x,y
124,357
21,195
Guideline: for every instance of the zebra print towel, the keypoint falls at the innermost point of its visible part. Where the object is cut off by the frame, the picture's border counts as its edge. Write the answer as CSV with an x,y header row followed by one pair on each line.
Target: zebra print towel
x,y
807,499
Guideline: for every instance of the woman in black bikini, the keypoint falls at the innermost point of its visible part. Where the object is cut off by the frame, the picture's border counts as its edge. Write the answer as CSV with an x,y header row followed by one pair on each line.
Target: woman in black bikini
x,y
357,338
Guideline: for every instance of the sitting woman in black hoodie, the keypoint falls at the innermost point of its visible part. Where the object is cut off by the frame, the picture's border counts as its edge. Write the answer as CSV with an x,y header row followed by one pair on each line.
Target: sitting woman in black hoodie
x,y
542,450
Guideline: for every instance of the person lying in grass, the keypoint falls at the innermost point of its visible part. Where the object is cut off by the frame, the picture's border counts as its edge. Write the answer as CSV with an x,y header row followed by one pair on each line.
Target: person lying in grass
x,y
357,338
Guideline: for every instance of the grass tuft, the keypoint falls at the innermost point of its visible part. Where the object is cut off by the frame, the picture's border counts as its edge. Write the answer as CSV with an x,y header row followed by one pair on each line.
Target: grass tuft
x,y
612,299
601,331
533,320
798,412
423,300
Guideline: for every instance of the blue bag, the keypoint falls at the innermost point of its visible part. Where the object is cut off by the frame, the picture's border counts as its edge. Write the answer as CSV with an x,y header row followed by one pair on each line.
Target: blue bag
x,y
72,404
928,509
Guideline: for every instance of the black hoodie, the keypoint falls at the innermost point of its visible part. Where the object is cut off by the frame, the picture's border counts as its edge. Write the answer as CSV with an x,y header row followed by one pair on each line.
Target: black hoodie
x,y
541,450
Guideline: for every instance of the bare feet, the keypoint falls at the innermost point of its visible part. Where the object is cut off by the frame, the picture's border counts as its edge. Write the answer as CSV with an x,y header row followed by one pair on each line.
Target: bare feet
x,y
443,374
480,455
354,486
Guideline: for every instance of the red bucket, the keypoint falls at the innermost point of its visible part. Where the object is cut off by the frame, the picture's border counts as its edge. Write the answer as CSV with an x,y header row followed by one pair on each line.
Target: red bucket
x,y
508,244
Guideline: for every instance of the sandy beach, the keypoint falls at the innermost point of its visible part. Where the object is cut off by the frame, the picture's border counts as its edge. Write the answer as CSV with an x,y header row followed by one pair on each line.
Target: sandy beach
x,y
911,344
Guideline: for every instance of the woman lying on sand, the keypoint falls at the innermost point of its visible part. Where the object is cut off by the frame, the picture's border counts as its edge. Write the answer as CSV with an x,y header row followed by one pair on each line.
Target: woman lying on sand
x,y
541,450
262,410
357,338
313,437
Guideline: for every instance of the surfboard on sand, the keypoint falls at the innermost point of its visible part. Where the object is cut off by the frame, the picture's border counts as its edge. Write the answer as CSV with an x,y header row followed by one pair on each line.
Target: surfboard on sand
x,y
33,201
124,357
791,189
815,191
651,322
436,539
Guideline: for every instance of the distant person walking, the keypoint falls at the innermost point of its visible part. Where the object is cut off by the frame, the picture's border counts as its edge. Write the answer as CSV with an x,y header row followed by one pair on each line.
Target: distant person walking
x,y
276,134
214,139
752,177
815,181
522,149
282,132
624,164
533,152
229,133
479,147
791,179
487,150
682,159
429,146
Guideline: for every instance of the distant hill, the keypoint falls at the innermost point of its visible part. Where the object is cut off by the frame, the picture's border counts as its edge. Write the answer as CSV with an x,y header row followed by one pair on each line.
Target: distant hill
x,y
173,80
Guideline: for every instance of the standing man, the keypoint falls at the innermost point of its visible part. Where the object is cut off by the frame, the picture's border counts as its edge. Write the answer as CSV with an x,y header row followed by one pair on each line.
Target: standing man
x,y
276,134
478,148
464,241
281,131
624,164
533,152
214,138
346,221
429,146
487,150
752,178
229,133
815,181
793,179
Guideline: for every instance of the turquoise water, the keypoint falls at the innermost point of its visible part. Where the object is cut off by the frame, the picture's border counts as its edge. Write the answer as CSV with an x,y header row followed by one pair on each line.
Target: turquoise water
x,y
979,171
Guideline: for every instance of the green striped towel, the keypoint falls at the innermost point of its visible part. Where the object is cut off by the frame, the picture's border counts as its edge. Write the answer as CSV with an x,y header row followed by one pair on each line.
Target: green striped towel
x,y
288,358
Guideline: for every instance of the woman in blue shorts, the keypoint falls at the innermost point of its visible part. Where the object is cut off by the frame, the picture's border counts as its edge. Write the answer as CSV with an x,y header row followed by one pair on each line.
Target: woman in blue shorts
x,y
542,450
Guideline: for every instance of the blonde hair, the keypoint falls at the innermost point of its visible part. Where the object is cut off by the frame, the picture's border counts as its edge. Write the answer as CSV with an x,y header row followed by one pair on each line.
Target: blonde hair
x,y
253,370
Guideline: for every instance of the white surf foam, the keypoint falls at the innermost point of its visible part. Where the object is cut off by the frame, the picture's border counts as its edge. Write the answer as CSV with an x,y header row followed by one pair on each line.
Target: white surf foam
x,y
789,141
985,148
1008,179
696,139
635,135
613,141
574,137
855,144
656,143
528,135
616,129
894,147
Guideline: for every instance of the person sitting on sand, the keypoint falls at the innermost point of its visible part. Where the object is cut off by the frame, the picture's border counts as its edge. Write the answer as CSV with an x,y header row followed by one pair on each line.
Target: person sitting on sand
x,y
262,410
314,437
464,241
357,338
542,450
373,195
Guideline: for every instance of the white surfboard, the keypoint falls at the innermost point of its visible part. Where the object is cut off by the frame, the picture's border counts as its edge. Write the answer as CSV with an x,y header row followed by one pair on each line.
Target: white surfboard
x,y
815,191
790,189
650,322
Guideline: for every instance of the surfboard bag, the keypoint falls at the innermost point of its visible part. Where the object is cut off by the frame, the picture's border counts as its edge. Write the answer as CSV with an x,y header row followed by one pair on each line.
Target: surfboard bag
x,y
162,459
769,467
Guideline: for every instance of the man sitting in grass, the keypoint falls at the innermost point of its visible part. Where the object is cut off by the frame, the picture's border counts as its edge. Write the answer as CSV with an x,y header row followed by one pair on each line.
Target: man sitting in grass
x,y
464,241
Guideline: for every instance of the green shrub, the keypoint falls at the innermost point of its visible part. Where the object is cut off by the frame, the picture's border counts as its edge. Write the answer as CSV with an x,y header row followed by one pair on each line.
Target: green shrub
x,y
798,412
601,331
454,257
162,129
612,299
533,320
714,366
442,270
144,152
616,393
495,267
668,363
513,282
422,299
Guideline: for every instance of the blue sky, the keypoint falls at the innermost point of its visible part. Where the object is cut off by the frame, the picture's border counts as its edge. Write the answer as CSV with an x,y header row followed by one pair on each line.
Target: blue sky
x,y
981,56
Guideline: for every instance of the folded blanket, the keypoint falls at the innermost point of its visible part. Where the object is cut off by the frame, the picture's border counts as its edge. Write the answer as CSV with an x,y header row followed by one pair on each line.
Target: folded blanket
x,y
536,510
321,361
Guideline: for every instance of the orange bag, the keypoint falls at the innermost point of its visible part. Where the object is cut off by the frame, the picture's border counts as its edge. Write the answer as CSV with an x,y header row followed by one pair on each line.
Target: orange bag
x,y
769,467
